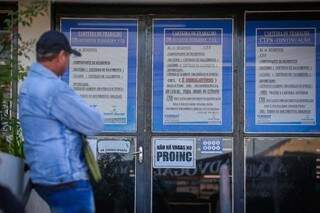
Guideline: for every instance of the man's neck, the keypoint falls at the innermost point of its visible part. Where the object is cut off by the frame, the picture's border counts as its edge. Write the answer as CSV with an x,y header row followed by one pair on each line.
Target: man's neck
x,y
50,67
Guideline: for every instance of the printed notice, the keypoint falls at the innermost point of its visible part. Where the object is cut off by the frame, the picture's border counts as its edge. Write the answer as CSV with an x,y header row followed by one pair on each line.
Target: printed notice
x,y
100,75
174,153
192,76
285,76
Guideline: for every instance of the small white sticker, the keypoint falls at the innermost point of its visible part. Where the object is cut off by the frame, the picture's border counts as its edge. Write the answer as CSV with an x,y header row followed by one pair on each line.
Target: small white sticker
x,y
211,145
113,146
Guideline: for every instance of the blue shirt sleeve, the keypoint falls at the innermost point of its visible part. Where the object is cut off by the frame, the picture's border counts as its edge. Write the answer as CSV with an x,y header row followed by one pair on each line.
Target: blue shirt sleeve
x,y
71,110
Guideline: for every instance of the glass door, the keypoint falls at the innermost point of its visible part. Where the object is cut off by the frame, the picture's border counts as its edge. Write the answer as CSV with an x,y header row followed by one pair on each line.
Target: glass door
x,y
192,115
165,88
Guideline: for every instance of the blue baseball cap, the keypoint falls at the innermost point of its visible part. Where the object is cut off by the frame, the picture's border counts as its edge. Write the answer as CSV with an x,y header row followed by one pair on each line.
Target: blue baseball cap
x,y
52,42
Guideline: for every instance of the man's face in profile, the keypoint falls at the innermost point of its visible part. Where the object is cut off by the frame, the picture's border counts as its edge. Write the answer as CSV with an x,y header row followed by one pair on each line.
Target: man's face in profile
x,y
63,62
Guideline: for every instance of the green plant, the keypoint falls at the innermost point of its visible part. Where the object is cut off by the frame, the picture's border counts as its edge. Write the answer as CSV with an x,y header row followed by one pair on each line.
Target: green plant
x,y
12,143
13,48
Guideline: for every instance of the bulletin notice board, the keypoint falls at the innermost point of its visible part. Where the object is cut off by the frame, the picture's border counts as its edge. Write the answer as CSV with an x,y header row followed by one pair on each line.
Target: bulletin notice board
x,y
192,75
282,73
105,76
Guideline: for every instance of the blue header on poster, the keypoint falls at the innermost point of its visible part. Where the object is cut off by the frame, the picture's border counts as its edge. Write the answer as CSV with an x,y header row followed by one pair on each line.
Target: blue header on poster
x,y
193,37
109,33
279,34
192,32
98,37
285,37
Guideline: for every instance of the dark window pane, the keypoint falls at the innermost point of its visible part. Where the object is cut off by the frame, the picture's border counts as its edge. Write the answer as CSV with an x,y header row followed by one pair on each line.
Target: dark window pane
x,y
282,175
196,190
5,39
115,193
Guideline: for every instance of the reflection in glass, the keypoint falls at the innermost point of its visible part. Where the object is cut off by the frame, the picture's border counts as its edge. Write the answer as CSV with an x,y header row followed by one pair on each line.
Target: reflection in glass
x,y
5,39
5,48
115,193
206,189
282,175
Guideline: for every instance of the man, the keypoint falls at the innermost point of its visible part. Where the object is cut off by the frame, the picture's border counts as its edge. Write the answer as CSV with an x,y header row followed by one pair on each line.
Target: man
x,y
53,118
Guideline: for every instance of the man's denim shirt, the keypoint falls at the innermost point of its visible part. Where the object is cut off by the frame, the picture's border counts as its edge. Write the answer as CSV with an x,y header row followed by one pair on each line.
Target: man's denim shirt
x,y
52,117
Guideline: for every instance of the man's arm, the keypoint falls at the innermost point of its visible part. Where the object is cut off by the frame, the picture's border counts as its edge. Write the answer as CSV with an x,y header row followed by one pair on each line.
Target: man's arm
x,y
70,109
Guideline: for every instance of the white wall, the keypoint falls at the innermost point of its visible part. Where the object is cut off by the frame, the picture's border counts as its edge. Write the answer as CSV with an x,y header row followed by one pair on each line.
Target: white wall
x,y
40,24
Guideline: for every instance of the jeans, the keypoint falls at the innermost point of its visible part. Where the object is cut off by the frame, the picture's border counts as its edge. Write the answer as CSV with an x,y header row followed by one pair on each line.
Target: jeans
x,y
74,197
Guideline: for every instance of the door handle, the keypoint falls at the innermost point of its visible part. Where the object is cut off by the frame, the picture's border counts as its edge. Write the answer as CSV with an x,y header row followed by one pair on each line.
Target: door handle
x,y
139,153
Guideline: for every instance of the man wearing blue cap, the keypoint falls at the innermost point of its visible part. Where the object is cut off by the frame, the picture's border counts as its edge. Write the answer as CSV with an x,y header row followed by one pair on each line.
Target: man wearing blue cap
x,y
53,118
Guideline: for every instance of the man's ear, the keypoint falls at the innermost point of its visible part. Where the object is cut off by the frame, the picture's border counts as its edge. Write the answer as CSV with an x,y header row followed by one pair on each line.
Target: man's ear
x,y
61,55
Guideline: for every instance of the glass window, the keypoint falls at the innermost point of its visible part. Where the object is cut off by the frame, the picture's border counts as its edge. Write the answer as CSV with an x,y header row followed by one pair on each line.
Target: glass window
x,y
282,175
5,70
282,92
116,191
5,39
207,188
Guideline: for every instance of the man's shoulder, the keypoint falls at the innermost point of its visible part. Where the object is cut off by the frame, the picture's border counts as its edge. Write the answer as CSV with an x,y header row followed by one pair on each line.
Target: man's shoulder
x,y
42,87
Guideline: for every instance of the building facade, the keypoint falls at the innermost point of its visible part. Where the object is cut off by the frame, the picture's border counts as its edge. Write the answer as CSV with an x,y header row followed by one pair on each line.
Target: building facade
x,y
209,106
